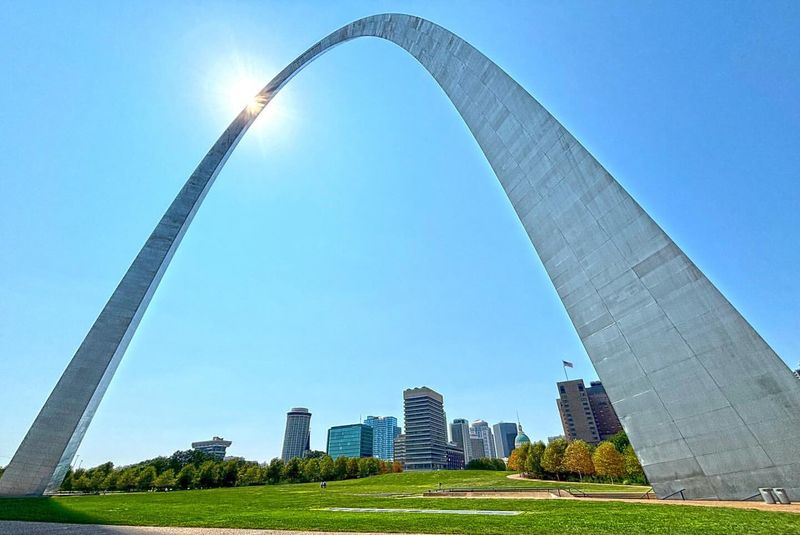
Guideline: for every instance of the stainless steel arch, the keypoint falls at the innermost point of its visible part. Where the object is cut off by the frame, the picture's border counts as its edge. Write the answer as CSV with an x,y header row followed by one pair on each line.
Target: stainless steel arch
x,y
706,402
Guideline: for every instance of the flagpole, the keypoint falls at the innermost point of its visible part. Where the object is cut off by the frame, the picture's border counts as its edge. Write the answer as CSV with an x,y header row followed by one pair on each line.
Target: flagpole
x,y
565,370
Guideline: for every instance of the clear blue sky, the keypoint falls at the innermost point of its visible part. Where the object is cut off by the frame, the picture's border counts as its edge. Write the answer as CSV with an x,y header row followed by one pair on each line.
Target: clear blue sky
x,y
357,242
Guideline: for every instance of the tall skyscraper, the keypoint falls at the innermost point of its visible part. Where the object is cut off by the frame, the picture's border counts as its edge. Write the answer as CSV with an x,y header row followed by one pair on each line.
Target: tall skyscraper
x,y
459,433
604,415
504,435
478,451
385,431
354,440
426,429
297,437
482,430
576,412
216,446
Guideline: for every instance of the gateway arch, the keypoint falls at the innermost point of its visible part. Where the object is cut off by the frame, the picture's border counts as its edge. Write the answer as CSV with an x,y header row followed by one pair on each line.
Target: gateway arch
x,y
707,404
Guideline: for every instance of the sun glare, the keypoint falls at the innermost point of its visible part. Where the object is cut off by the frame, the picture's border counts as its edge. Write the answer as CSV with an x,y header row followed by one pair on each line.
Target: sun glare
x,y
240,91
243,93
234,85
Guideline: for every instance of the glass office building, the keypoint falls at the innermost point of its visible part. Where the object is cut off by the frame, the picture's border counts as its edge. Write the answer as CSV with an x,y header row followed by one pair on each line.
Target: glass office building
x,y
384,432
354,440
504,435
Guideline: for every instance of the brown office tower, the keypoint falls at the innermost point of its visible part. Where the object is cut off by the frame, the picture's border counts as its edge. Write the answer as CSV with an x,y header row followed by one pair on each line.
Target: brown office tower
x,y
604,415
586,413
576,412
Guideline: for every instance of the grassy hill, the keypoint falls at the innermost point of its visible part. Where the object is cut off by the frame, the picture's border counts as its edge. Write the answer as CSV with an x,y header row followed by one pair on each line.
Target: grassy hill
x,y
303,507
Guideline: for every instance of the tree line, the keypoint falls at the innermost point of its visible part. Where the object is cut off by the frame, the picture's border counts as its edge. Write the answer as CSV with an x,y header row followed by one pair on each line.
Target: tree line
x,y
192,469
612,460
485,463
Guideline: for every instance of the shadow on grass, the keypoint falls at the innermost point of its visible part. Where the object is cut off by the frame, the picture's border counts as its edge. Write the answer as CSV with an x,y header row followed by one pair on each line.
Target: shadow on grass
x,y
43,510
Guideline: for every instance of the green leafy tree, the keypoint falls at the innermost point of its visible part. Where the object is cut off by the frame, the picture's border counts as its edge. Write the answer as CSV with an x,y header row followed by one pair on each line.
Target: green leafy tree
x,y
248,475
553,457
208,475
292,471
228,473
475,464
352,468
340,467
96,479
66,485
82,484
327,471
146,478
486,464
620,441
533,462
275,471
311,469
608,461
179,459
186,477
165,480
633,469
368,466
127,479
110,481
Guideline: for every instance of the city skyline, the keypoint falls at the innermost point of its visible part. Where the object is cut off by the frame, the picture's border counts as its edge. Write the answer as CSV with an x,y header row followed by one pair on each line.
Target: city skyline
x,y
248,428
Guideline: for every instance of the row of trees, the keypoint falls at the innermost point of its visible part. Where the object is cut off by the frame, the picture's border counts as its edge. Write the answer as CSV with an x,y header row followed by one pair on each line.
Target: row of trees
x,y
486,463
612,460
193,469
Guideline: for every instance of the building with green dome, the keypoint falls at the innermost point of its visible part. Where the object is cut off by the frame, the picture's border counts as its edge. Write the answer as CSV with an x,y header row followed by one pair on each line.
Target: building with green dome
x,y
521,438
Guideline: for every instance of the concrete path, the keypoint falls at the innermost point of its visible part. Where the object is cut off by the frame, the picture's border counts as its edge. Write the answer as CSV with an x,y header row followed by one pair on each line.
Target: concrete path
x,y
760,506
47,528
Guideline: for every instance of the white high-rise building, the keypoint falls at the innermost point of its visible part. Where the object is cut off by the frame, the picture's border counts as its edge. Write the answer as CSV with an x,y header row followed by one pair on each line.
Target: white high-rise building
x,y
480,429
459,433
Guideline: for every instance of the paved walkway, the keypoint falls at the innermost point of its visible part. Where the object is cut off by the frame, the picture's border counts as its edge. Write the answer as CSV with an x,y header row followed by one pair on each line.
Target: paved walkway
x,y
760,506
47,528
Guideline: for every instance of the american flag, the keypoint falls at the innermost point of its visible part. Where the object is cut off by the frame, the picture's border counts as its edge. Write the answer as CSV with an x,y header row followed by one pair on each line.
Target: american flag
x,y
567,364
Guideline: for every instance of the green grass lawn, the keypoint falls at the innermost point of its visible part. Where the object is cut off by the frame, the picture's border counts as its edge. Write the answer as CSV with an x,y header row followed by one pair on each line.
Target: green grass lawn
x,y
302,507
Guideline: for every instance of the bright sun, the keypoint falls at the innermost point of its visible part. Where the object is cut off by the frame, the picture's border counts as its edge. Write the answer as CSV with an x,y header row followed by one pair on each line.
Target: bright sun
x,y
242,93
233,86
